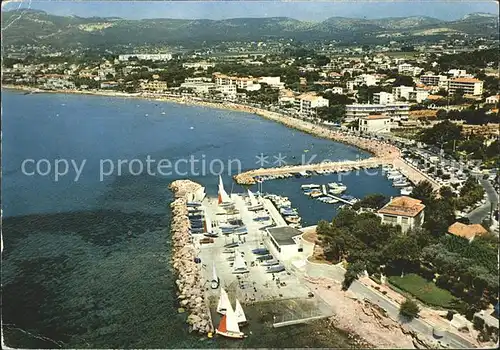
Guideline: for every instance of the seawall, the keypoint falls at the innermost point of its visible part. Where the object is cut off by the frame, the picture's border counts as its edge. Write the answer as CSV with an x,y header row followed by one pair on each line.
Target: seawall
x,y
189,279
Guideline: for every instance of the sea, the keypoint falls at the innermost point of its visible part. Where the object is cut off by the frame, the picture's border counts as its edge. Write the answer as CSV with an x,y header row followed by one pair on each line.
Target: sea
x,y
85,215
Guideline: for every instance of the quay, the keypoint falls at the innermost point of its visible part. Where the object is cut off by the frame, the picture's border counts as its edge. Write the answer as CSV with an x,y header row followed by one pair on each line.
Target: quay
x,y
248,177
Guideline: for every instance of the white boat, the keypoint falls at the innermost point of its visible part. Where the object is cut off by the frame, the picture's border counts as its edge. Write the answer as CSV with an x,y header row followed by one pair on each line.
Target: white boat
x,y
254,203
270,262
228,325
223,196
400,183
199,195
215,279
239,266
309,186
240,314
393,175
406,191
337,186
224,303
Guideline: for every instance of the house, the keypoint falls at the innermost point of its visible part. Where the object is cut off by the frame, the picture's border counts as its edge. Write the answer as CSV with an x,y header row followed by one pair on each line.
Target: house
x,y
375,123
244,83
493,99
469,86
307,103
404,211
274,82
467,231
286,97
402,92
198,65
284,242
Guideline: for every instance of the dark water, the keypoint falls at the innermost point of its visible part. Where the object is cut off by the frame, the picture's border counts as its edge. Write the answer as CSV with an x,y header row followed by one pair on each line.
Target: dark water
x,y
86,263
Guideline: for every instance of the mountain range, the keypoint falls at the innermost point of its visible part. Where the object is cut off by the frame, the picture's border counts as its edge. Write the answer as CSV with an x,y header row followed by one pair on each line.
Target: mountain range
x,y
38,27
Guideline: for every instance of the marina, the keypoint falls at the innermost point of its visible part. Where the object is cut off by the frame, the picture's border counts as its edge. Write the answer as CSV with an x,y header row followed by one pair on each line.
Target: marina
x,y
249,259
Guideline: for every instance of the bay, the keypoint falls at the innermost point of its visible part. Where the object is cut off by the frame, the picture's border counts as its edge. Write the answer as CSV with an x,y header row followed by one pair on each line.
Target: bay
x,y
87,262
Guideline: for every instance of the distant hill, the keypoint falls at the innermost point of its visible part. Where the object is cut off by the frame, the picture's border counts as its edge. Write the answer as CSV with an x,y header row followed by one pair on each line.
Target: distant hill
x,y
31,26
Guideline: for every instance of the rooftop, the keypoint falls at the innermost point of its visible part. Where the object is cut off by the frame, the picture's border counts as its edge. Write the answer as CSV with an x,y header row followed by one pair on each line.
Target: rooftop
x,y
403,206
377,116
283,235
466,80
467,231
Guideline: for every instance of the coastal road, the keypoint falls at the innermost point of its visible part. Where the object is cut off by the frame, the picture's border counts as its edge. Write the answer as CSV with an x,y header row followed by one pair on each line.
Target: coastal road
x,y
454,341
480,213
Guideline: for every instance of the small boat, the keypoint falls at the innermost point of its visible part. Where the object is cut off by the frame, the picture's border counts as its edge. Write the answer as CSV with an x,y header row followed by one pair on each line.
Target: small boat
x,y
215,279
193,204
406,191
270,262
240,314
337,186
260,251
335,191
288,211
293,219
211,234
315,194
275,268
223,303
231,245
206,240
402,183
309,186
228,326
265,257
239,266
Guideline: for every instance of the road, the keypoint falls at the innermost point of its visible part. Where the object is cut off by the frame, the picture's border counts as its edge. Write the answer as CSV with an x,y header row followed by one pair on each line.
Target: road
x,y
454,341
479,214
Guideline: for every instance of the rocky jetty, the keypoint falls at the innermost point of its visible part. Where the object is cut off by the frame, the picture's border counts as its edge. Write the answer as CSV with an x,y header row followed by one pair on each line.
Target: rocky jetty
x,y
189,279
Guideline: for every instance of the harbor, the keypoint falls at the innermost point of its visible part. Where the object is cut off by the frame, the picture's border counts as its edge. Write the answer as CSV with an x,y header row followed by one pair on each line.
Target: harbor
x,y
244,252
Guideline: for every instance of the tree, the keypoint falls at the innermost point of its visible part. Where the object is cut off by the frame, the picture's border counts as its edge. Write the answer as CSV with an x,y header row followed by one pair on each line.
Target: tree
x,y
423,191
352,273
409,309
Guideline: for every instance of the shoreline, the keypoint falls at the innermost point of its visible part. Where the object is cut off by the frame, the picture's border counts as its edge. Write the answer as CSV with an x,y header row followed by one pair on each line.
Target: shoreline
x,y
295,123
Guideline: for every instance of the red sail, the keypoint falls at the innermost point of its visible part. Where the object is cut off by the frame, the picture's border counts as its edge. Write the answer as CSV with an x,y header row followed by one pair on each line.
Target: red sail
x,y
220,198
222,325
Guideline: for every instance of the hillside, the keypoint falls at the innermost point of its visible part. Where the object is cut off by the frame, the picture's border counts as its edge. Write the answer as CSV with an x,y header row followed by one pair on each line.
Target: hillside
x,y
29,27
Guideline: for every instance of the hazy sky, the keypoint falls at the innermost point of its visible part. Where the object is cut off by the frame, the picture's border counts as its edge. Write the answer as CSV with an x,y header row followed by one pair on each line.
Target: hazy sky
x,y
305,10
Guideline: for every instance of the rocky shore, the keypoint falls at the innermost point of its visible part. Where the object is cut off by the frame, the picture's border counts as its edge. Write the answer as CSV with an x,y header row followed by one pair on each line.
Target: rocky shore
x,y
189,280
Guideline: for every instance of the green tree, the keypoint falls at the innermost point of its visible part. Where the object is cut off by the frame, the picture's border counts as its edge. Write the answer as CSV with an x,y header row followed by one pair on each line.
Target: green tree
x,y
352,273
423,191
409,309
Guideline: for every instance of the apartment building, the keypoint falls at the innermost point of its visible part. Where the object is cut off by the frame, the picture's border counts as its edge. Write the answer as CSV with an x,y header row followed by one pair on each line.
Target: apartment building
x,y
146,57
155,85
375,123
469,86
434,80
244,83
274,82
198,65
408,69
383,98
402,92
404,211
306,104
397,110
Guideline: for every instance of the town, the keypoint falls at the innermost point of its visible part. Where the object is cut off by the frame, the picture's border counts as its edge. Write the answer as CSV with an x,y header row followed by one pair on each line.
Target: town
x,y
425,261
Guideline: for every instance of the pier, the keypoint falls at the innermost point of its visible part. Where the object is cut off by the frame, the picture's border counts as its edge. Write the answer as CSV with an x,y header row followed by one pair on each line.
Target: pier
x,y
248,177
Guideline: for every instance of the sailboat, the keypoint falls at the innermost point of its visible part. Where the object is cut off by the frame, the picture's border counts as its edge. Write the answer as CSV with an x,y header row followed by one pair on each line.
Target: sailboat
x,y
240,314
239,266
224,198
224,303
228,326
199,194
215,279
254,203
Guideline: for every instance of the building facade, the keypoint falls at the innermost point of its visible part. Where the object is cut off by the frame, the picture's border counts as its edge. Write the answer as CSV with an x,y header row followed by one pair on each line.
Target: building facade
x,y
404,211
397,110
306,104
383,98
377,123
469,86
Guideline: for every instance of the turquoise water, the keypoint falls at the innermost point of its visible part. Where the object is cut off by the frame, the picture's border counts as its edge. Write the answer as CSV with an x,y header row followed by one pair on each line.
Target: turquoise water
x,y
86,262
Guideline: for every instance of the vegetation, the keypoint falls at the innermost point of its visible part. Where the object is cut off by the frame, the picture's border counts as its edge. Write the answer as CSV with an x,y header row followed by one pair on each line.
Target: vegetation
x,y
409,309
422,289
469,60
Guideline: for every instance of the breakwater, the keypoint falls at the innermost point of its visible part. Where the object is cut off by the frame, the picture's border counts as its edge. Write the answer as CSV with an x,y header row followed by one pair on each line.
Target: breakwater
x,y
189,278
